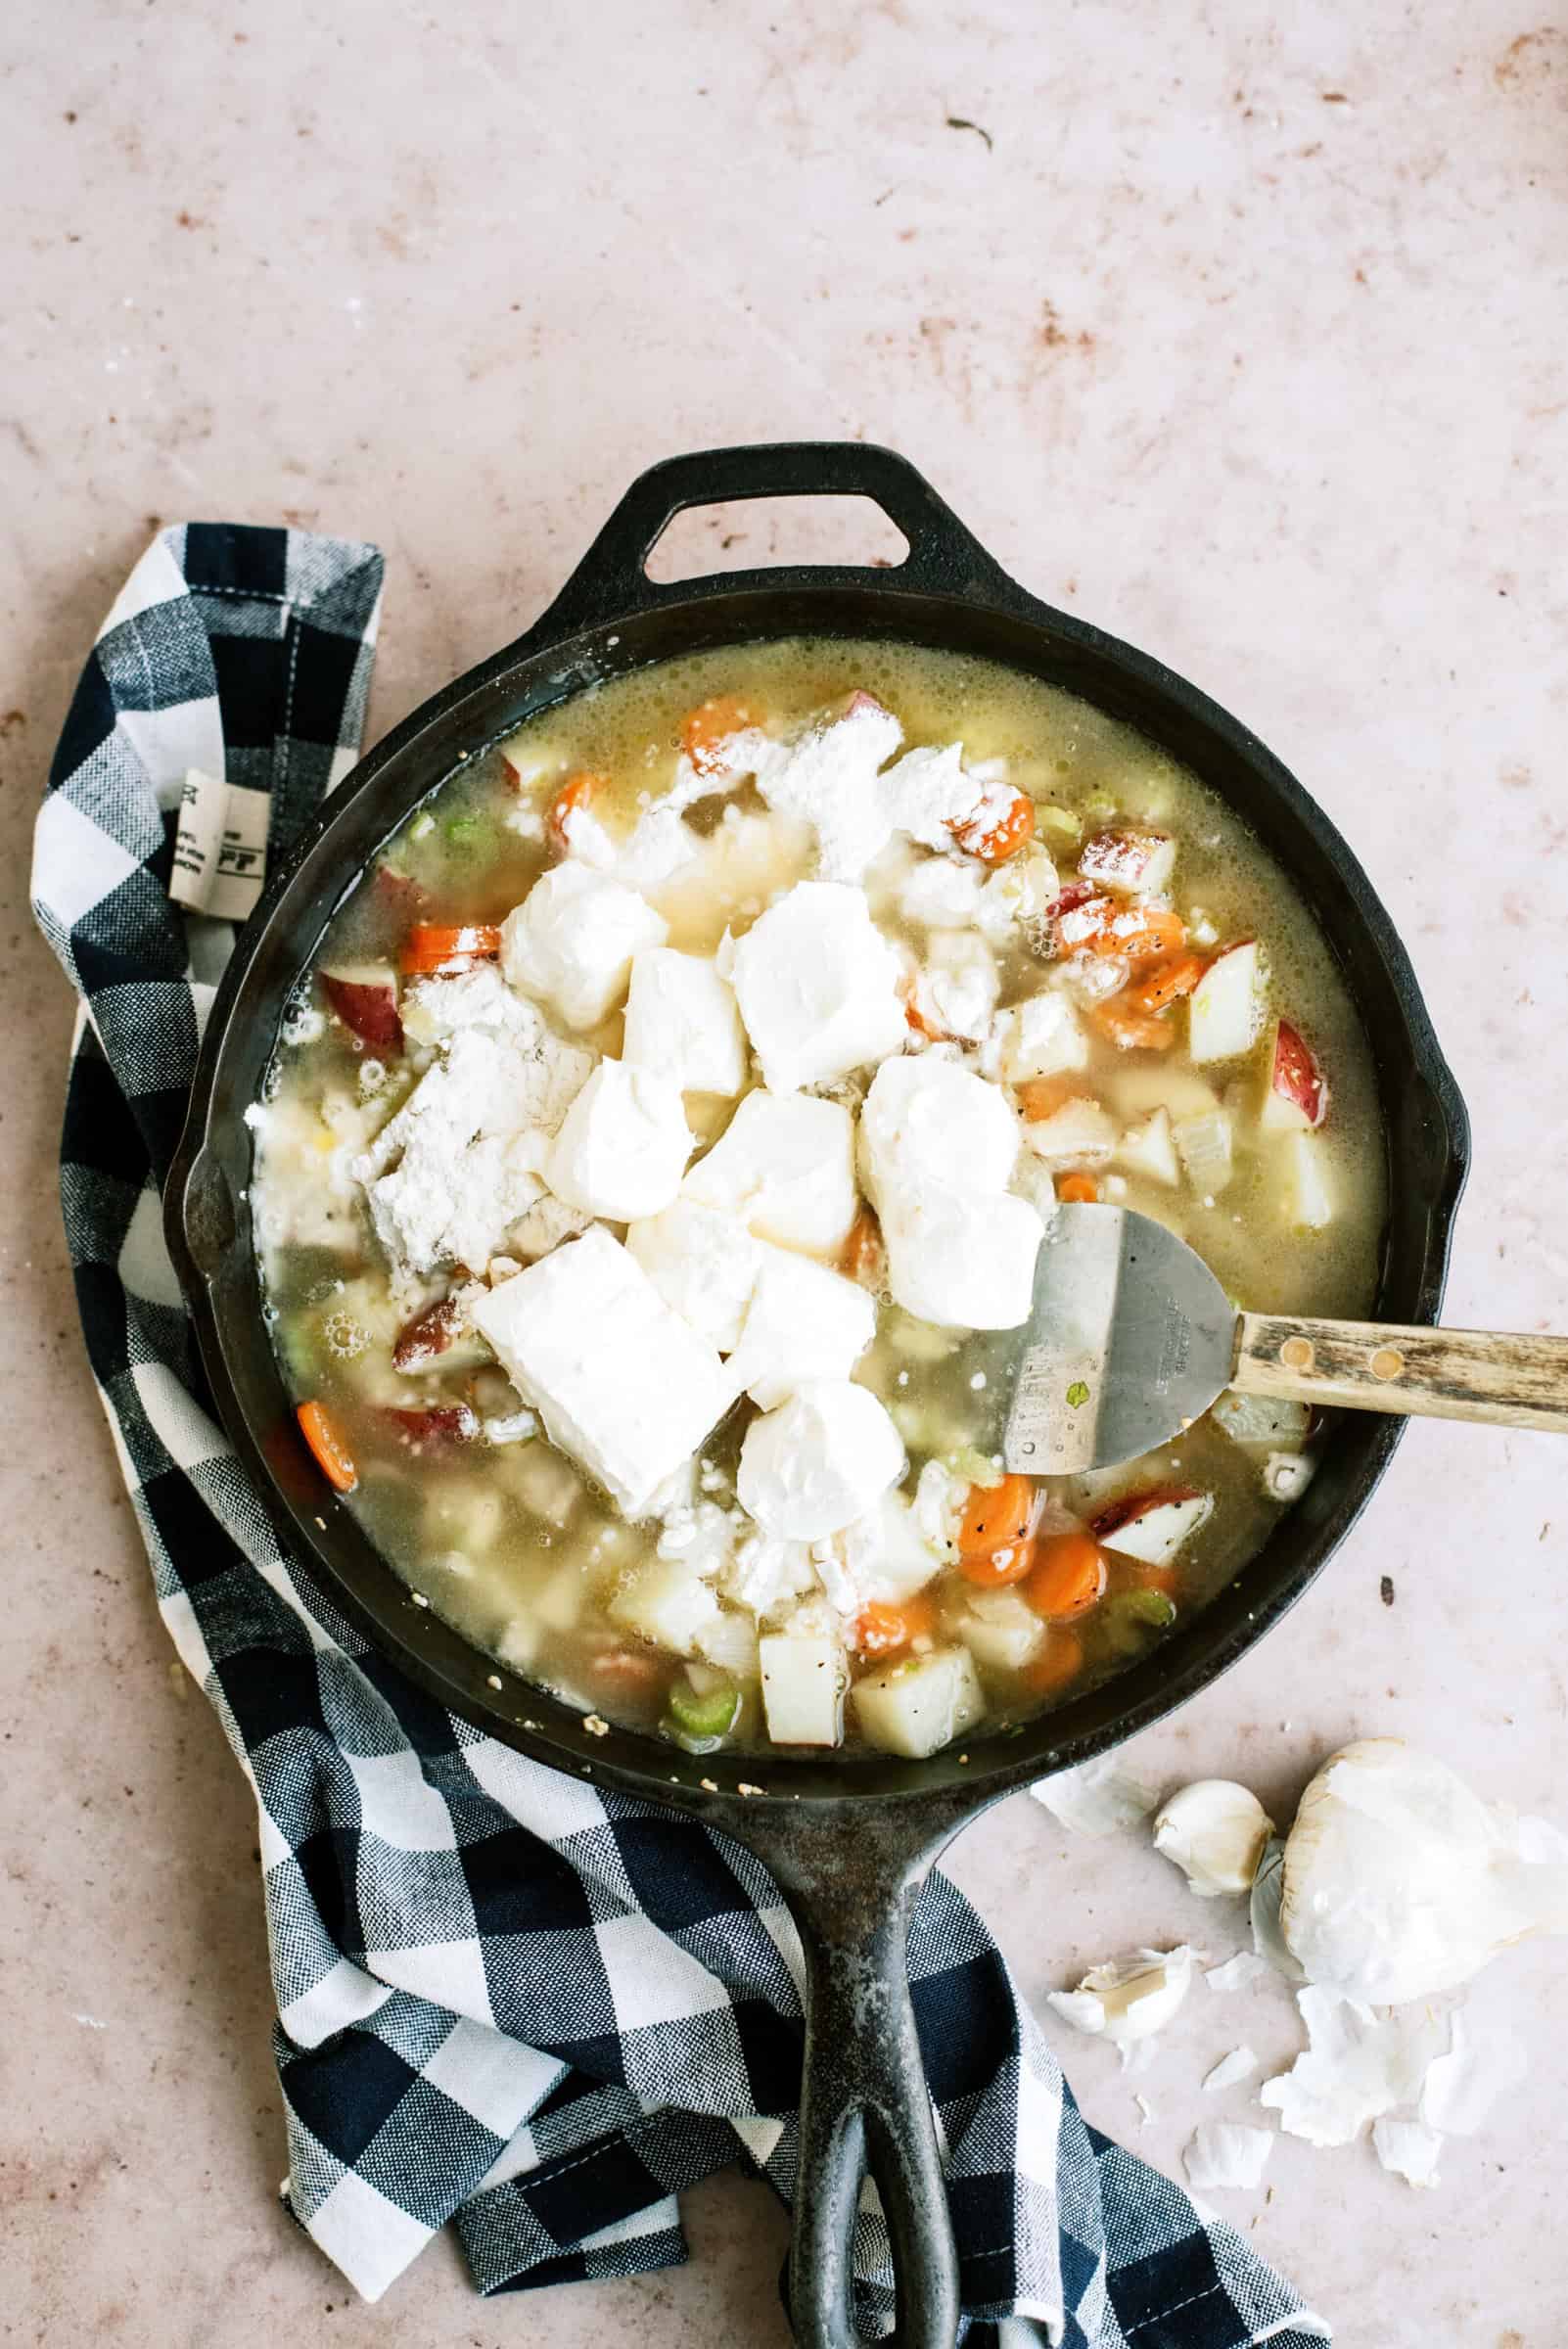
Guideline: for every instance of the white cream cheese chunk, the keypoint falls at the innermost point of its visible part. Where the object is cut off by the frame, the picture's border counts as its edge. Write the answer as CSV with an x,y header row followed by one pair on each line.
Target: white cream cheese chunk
x,y
804,1323
704,1262
828,778
961,1260
957,986
682,1019
570,943
623,1385
785,1165
622,1146
929,1120
943,893
817,985
820,1461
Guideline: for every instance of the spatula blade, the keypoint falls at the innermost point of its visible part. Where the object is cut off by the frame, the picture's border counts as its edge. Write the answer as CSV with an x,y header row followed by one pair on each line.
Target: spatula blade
x,y
1130,1339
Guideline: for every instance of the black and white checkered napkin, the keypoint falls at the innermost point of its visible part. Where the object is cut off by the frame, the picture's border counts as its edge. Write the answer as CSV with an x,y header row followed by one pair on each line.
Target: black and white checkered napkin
x,y
504,1999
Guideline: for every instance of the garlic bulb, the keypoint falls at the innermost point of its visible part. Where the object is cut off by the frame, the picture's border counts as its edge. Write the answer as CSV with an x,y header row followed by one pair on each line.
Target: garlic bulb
x,y
1215,1831
1399,1882
1128,1998
1267,1889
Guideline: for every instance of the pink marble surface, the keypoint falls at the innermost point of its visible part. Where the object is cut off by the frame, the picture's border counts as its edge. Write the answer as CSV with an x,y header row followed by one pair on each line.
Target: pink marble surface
x,y
1241,334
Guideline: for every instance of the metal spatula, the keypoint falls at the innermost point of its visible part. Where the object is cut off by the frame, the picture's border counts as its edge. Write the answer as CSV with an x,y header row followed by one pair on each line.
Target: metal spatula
x,y
1132,1338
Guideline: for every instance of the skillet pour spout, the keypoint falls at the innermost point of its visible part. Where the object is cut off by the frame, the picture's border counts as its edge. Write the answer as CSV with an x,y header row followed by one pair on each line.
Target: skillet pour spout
x,y
848,1842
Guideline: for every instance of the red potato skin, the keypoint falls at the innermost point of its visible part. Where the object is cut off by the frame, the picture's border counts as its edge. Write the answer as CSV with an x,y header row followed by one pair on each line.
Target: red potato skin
x,y
1297,1074
439,1423
1136,1505
367,1007
428,1335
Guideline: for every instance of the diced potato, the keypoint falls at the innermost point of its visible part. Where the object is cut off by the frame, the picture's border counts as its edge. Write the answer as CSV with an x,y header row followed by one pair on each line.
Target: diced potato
x,y
469,1517
1305,1192
1078,1135
666,1602
1139,1086
803,1688
544,1483
731,1642
557,1603
1001,1629
1148,1150
1206,1147
919,1705
1225,1011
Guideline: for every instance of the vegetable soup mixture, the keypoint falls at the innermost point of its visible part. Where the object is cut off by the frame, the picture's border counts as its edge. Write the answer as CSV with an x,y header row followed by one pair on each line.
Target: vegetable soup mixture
x,y
651,1172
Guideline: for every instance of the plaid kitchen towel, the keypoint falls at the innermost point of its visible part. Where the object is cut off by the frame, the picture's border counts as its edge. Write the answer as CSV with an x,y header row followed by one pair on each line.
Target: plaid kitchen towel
x,y
504,1998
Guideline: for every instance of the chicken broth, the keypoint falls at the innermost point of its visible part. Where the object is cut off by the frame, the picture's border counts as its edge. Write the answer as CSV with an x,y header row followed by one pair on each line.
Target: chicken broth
x,y
649,1176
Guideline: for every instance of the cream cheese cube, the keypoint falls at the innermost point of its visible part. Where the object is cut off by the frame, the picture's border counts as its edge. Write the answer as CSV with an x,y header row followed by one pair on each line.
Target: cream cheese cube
x,y
961,1261
957,986
817,985
785,1165
623,1386
820,1461
572,940
804,1323
682,1019
622,1146
704,1263
1042,1038
928,1120
943,893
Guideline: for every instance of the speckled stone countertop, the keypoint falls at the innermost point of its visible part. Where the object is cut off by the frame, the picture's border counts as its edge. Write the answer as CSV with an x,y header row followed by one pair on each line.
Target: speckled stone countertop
x,y
1240,331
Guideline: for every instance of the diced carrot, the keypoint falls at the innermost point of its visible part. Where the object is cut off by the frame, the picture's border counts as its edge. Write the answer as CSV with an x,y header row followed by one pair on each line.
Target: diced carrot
x,y
997,1514
1145,1577
1068,1577
436,946
1169,982
1079,1190
1042,1096
994,1540
1142,933
883,1631
325,1438
1133,1031
861,1257
711,725
1059,1661
994,840
574,793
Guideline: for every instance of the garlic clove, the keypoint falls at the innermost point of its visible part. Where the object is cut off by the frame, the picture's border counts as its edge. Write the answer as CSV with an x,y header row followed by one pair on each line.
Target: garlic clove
x,y
1215,1833
1128,1999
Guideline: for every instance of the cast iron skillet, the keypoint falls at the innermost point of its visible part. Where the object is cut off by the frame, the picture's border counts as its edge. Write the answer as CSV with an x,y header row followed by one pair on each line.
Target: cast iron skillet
x,y
847,1843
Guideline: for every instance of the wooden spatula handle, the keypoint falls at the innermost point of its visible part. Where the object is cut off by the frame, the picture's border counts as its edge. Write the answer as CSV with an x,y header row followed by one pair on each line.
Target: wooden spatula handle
x,y
1510,1380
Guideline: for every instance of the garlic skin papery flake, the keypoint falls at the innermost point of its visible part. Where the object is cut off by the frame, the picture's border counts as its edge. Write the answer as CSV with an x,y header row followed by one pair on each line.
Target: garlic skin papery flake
x,y
1397,1882
1358,2066
1098,1798
1128,1999
1215,1831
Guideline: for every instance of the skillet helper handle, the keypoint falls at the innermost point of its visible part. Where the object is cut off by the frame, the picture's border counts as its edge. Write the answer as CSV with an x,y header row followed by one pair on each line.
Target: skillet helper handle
x,y
612,582
1508,1380
864,2105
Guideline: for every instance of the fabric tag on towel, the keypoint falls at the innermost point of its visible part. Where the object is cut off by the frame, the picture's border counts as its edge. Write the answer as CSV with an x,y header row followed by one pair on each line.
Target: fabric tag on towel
x,y
220,850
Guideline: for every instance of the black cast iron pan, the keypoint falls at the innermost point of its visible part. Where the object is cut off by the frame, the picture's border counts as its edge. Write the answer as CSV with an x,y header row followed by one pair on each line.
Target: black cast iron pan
x,y
848,1843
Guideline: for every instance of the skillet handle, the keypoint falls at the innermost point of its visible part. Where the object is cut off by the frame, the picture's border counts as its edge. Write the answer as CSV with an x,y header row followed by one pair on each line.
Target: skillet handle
x,y
864,2105
611,583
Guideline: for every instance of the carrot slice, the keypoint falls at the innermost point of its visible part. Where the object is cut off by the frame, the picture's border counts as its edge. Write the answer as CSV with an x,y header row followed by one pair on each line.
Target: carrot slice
x,y
996,1515
711,725
1068,1577
1146,933
1081,1191
574,793
1133,1031
1042,1096
439,947
1169,982
881,1629
994,842
861,1257
1059,1661
325,1438
994,1569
